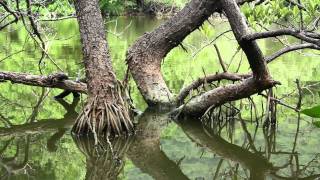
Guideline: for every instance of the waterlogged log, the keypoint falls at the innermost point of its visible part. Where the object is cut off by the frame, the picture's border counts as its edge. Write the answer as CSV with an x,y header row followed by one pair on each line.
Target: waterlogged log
x,y
58,80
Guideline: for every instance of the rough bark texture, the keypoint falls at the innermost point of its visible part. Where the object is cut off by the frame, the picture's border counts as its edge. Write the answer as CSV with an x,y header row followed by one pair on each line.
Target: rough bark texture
x,y
208,79
105,112
218,96
145,56
57,80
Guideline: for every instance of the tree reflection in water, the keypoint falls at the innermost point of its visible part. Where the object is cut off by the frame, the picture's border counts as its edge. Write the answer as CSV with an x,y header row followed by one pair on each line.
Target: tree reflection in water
x,y
245,159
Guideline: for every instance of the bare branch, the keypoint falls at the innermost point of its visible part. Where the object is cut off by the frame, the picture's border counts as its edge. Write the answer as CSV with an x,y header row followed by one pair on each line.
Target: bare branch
x,y
280,102
198,105
220,58
208,79
305,36
289,49
58,80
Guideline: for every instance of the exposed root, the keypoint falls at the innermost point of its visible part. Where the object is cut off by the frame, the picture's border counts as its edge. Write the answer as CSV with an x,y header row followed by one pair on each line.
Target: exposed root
x,y
102,118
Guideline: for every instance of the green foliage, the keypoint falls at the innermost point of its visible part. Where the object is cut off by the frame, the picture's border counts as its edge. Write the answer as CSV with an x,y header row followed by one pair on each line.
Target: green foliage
x,y
316,123
116,7
281,10
312,112
179,69
177,3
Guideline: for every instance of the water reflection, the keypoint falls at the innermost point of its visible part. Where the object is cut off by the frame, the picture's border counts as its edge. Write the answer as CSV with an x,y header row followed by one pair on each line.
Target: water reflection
x,y
146,153
104,161
242,159
253,162
20,135
35,140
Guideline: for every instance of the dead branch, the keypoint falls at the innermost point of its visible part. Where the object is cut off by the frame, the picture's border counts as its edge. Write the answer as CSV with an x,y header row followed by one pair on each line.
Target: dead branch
x,y
36,31
198,105
16,16
290,49
220,58
57,80
310,37
208,79
279,102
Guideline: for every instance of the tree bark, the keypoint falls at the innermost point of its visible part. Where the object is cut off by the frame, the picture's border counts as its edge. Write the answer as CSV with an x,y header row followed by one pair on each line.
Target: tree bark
x,y
260,81
57,80
145,56
198,105
106,112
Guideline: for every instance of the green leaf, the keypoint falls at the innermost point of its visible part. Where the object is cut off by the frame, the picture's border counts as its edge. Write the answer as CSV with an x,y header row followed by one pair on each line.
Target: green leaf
x,y
312,112
316,123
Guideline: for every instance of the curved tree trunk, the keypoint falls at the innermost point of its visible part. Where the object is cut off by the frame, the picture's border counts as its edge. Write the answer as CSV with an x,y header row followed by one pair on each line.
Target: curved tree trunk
x,y
106,112
260,81
145,56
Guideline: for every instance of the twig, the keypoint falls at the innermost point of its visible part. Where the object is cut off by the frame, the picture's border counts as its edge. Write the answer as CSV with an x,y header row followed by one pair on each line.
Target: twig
x,y
279,102
220,58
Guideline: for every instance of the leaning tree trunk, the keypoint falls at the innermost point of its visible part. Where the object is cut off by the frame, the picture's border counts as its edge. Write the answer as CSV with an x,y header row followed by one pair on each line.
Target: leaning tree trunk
x,y
105,112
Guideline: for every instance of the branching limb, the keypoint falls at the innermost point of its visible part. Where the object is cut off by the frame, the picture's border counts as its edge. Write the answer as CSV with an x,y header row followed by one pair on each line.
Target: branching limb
x,y
299,5
208,79
250,47
16,16
198,105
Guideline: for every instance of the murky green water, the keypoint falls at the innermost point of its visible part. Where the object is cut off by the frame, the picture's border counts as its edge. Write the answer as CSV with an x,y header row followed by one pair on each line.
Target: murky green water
x,y
35,140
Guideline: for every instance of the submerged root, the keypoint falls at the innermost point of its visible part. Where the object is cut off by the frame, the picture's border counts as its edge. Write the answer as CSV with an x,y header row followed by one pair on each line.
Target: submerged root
x,y
104,119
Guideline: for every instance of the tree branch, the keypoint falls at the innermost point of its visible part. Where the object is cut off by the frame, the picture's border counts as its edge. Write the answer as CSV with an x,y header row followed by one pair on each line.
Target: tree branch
x,y
220,58
57,80
289,49
208,79
198,105
144,57
305,36
250,47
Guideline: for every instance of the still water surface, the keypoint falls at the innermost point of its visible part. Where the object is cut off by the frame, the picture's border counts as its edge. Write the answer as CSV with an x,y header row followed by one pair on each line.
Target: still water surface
x,y
35,139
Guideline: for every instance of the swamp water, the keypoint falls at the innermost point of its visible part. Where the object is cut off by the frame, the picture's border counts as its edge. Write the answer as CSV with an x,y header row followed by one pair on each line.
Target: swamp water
x,y
35,139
